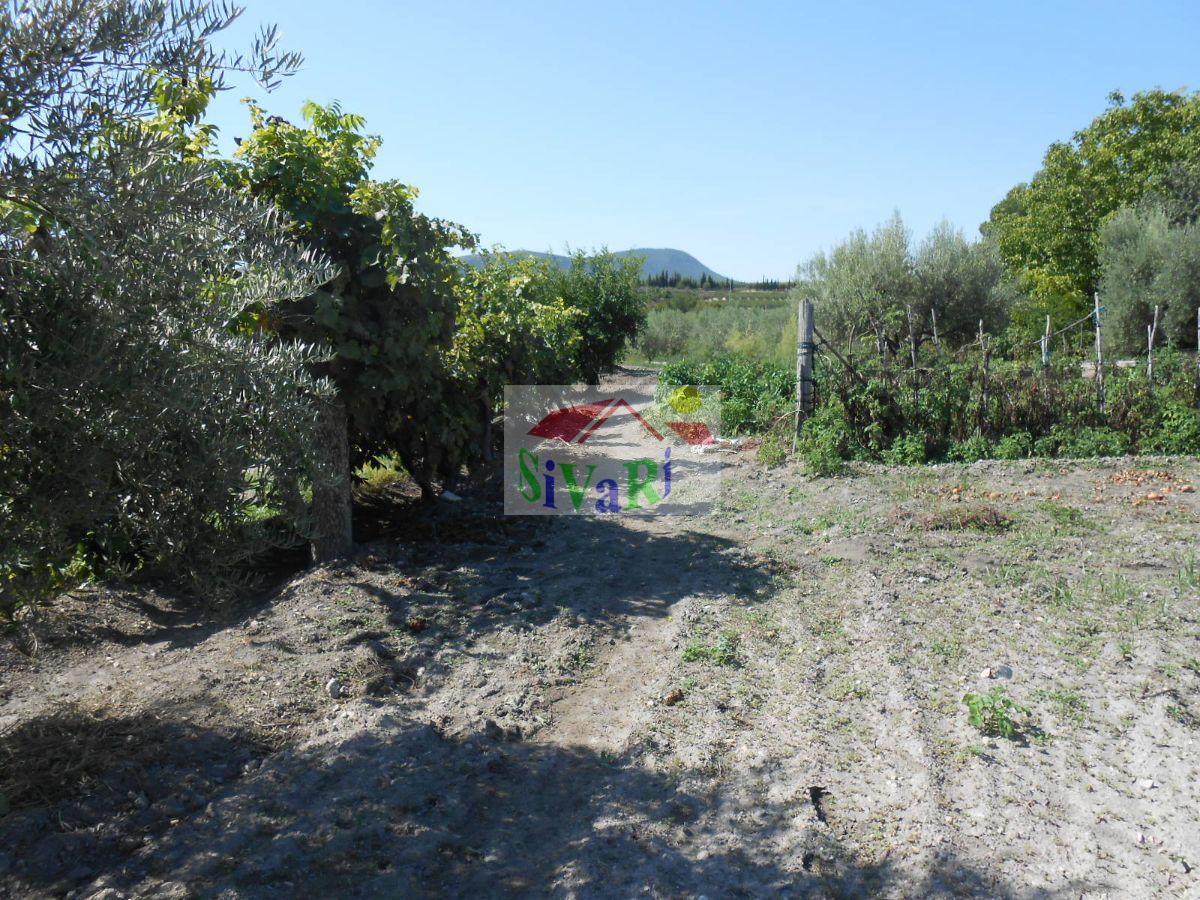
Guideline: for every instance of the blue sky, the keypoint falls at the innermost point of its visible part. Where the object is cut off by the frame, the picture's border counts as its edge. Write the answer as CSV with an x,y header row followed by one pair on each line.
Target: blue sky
x,y
749,134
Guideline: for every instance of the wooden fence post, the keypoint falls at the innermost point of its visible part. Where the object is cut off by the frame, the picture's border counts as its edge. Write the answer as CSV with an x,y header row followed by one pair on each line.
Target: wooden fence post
x,y
804,362
1099,355
1151,331
912,336
985,346
1046,346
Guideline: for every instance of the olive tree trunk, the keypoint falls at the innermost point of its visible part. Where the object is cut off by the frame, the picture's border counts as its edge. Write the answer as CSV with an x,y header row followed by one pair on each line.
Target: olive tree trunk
x,y
332,530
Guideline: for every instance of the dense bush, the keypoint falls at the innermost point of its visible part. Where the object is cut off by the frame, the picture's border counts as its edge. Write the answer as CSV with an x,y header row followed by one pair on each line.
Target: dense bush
x,y
603,288
753,394
939,412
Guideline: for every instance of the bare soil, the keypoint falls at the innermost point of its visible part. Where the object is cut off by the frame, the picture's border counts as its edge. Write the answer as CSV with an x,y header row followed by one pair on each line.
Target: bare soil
x,y
767,701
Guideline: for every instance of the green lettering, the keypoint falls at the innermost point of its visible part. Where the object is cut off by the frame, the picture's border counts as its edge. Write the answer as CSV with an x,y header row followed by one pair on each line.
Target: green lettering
x,y
573,487
528,476
639,485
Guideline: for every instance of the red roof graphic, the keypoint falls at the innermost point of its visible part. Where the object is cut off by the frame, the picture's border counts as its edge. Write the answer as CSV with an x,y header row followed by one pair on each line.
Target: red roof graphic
x,y
575,424
693,432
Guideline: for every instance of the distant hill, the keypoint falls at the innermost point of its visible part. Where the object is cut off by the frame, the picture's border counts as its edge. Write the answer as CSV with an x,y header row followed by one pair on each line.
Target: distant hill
x,y
657,261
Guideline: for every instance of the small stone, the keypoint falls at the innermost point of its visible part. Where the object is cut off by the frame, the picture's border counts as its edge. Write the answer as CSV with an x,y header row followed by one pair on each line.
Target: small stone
x,y
333,688
1002,671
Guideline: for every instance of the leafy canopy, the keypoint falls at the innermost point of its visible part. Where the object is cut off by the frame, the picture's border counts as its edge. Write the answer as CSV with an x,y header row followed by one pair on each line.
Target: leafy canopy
x,y
386,321
1049,229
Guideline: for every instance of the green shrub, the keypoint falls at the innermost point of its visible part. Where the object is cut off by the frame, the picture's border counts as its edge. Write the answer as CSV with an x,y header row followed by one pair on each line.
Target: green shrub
x,y
825,442
1177,432
970,450
724,651
821,460
773,450
1014,446
907,450
1088,442
753,394
994,713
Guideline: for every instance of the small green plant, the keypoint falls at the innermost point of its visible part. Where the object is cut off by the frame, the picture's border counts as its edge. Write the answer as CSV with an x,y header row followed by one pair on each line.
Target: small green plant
x,y
825,442
378,474
580,659
1189,572
1061,595
1068,704
971,751
993,712
822,461
946,649
724,651
851,689
773,450
1063,515
1014,446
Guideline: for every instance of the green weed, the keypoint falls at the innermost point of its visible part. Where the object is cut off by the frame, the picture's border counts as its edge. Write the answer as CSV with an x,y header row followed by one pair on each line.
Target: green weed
x,y
1067,704
724,651
994,713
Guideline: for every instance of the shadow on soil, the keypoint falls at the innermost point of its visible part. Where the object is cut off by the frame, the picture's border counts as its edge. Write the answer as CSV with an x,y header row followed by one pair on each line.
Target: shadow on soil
x,y
396,809
599,571
173,802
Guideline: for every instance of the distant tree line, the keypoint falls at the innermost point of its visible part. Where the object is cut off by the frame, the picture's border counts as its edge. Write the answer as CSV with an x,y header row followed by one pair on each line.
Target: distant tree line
x,y
706,282
665,279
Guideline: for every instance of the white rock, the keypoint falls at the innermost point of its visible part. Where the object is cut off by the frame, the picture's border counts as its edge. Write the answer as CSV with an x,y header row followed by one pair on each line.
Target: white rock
x,y
333,688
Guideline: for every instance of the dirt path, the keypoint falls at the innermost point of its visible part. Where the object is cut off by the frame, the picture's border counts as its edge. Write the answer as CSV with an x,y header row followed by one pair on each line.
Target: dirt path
x,y
764,702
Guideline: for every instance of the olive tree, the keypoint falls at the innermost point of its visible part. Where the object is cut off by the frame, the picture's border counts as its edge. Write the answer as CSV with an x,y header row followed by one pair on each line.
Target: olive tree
x,y
878,286
958,284
142,421
1146,261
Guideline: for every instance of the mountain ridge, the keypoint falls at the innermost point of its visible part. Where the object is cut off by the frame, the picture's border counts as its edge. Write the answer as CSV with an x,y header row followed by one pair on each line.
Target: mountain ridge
x,y
657,261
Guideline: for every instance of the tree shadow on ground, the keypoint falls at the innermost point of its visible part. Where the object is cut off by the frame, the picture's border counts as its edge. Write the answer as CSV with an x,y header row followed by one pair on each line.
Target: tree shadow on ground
x,y
599,571
384,806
